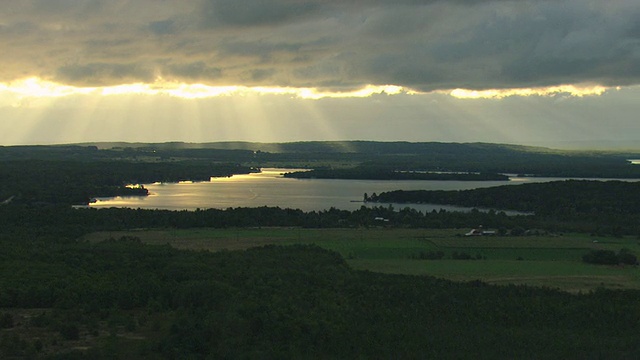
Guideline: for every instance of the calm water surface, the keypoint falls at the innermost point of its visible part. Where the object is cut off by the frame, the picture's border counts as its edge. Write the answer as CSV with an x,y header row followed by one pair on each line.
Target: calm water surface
x,y
269,188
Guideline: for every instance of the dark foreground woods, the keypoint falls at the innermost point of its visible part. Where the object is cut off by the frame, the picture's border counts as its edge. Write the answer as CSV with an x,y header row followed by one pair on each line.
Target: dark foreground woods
x,y
123,299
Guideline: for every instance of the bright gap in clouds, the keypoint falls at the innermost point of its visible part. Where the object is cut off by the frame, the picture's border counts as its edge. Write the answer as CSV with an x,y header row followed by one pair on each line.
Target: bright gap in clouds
x,y
41,112
573,90
36,88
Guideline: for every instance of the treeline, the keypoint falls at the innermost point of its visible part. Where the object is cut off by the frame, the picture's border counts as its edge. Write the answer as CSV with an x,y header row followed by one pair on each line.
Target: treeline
x,y
76,182
46,220
62,219
286,302
389,173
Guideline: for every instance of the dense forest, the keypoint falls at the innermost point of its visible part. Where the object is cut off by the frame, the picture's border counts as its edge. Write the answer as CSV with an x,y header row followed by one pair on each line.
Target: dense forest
x,y
130,300
64,298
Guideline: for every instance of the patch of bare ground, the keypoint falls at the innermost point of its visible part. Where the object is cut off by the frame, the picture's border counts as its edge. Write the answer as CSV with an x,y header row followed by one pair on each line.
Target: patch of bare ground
x,y
39,333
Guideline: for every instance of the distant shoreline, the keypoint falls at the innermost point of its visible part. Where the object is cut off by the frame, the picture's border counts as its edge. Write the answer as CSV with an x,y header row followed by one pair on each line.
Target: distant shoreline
x,y
377,174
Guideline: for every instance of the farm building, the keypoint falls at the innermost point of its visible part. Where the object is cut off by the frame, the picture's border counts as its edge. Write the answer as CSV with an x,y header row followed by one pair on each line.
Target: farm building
x,y
480,232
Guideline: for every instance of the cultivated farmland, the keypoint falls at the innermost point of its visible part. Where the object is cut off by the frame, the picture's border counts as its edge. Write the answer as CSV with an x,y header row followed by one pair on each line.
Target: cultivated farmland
x,y
548,260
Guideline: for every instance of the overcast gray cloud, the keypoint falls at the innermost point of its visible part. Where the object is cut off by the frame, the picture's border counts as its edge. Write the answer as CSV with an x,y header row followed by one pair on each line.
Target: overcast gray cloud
x,y
424,45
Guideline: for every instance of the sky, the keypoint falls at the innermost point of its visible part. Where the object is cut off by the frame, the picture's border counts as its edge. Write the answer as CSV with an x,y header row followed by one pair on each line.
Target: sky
x,y
556,73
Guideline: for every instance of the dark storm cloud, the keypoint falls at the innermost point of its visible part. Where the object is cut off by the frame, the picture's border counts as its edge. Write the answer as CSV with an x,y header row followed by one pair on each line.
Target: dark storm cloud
x,y
91,74
194,71
255,12
425,45
258,47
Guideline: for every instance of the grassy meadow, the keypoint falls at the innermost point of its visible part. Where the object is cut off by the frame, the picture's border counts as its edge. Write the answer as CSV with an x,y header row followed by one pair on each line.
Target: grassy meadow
x,y
545,260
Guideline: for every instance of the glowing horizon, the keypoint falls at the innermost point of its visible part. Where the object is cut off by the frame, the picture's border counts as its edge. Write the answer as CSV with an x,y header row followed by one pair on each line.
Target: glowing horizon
x,y
34,87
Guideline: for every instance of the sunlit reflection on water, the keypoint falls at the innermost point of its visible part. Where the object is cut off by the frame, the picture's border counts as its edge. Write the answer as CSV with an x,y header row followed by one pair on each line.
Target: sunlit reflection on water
x,y
270,173
270,188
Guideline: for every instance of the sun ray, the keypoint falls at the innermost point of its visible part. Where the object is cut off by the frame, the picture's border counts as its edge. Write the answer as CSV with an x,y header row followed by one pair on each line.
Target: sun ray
x,y
46,112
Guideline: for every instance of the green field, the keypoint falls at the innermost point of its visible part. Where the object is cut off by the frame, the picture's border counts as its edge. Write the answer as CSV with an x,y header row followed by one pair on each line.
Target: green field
x,y
552,261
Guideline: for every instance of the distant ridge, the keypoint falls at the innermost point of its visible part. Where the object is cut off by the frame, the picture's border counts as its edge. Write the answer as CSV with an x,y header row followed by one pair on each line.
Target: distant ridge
x,y
352,146
600,145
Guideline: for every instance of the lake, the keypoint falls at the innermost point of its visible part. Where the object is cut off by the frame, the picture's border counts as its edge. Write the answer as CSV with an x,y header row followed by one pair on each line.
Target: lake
x,y
269,188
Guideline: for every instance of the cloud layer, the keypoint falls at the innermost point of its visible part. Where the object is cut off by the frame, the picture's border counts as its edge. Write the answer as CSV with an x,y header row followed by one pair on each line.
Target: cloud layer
x,y
328,44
